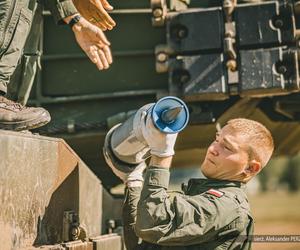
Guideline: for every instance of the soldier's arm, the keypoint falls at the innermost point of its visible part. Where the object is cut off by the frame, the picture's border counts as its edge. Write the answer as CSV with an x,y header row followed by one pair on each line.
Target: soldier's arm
x,y
60,9
132,196
94,11
129,211
89,37
181,219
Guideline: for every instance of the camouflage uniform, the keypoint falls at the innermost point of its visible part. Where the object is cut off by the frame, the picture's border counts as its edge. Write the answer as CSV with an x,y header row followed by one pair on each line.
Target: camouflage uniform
x,y
208,214
15,23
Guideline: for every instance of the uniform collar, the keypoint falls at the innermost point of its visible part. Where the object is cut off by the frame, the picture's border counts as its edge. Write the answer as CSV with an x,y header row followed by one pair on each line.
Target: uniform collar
x,y
202,185
215,183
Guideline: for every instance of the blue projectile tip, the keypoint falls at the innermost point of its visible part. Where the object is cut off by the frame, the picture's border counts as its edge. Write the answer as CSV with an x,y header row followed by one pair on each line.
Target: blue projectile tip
x,y
170,115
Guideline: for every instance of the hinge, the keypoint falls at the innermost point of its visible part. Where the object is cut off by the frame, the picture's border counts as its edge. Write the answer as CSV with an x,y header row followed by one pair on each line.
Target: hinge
x,y
229,46
72,230
159,12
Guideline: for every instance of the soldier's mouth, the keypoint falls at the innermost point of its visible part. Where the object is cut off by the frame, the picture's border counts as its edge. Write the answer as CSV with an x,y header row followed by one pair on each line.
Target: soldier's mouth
x,y
211,161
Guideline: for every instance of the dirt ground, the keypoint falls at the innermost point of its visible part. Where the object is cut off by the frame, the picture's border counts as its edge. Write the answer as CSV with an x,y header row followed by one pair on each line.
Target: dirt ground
x,y
276,214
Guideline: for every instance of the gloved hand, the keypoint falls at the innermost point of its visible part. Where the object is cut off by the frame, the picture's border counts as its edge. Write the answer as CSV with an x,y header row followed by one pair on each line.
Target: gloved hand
x,y
134,176
93,42
131,176
160,144
95,11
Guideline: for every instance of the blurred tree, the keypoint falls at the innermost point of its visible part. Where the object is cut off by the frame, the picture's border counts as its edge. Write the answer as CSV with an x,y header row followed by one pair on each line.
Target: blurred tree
x,y
271,175
291,175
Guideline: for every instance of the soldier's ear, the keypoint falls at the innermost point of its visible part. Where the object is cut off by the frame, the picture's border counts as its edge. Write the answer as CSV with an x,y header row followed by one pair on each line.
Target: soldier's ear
x,y
253,167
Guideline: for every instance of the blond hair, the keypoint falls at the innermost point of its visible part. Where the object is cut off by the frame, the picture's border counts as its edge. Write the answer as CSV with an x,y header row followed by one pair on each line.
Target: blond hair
x,y
260,141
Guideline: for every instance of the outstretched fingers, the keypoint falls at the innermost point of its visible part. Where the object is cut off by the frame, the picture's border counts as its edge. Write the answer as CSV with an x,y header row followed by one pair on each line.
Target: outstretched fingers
x,y
103,59
108,55
106,5
103,15
100,56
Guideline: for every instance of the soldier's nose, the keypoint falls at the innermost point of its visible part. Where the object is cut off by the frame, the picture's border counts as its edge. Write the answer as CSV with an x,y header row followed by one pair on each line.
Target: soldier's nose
x,y
213,150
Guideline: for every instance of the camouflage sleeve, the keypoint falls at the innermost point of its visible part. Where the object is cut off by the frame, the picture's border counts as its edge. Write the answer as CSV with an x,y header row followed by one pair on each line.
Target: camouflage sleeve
x,y
180,219
132,196
60,9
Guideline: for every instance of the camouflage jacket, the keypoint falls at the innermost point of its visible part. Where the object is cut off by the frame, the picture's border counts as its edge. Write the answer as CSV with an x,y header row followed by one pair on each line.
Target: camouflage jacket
x,y
208,214
20,31
60,9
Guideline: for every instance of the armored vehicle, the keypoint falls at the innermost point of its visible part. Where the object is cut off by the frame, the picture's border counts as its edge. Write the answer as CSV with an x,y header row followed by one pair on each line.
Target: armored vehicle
x,y
225,59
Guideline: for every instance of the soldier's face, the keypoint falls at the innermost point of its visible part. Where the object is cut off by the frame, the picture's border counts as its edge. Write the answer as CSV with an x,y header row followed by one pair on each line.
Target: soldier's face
x,y
227,157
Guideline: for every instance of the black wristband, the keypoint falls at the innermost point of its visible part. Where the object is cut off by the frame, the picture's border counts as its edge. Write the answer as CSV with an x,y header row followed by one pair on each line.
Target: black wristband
x,y
74,20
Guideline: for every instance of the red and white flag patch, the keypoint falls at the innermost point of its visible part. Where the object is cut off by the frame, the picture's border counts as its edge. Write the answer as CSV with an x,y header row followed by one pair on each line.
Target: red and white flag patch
x,y
215,192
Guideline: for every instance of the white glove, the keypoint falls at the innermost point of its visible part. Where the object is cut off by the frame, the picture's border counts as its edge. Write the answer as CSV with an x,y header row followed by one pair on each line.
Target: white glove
x,y
134,174
160,144
135,178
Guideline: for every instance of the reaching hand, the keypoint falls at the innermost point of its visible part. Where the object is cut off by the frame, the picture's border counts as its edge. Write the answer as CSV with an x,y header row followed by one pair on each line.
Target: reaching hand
x,y
93,42
95,11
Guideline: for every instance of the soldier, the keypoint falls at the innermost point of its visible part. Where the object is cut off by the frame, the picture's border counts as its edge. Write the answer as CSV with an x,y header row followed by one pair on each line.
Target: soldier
x,y
15,21
210,213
